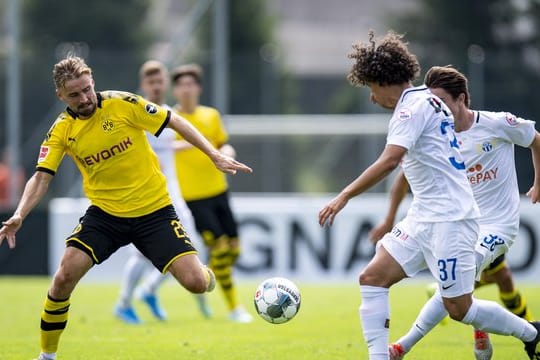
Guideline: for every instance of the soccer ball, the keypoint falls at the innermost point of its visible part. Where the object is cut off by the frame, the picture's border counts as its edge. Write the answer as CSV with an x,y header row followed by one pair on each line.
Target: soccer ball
x,y
277,300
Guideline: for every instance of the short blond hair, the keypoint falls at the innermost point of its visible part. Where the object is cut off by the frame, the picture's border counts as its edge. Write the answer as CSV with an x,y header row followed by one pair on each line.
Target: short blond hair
x,y
152,67
72,67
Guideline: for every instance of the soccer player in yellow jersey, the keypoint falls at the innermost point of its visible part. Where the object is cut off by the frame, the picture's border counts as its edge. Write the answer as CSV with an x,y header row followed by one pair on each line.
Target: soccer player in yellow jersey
x,y
204,188
104,134
154,82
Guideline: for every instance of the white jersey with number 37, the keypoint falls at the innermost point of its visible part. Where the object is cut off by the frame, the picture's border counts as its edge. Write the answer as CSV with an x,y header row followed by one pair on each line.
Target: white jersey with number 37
x,y
433,166
488,150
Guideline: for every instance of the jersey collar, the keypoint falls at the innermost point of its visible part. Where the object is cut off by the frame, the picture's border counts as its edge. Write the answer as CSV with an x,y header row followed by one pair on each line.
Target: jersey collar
x,y
410,90
477,120
73,114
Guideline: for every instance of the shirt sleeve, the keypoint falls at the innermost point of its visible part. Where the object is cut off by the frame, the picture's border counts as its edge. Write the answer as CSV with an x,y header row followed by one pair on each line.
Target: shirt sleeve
x,y
405,127
516,130
52,149
149,116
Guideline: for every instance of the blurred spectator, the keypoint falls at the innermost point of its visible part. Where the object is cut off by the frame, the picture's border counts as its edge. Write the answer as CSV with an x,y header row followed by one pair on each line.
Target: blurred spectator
x,y
5,179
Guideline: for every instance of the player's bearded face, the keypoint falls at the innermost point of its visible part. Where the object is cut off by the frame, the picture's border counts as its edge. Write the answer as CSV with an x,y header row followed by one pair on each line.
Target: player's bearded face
x,y
79,95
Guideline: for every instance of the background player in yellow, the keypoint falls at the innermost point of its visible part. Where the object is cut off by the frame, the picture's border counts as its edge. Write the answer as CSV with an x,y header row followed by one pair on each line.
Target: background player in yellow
x,y
104,134
204,189
154,82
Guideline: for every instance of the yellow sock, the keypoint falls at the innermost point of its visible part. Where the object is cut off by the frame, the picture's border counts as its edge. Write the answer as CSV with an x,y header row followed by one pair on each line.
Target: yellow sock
x,y
234,253
53,322
229,289
230,292
220,263
516,303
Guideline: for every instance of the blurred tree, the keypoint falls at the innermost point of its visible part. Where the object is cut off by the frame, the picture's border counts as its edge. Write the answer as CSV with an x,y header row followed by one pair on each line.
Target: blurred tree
x,y
502,33
258,81
101,23
110,35
494,42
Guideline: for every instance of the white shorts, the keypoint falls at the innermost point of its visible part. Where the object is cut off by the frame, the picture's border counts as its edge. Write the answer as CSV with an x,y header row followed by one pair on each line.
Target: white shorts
x,y
445,248
492,243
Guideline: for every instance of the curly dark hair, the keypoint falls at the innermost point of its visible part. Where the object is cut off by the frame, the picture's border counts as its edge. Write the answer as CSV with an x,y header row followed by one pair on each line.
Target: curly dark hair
x,y
388,63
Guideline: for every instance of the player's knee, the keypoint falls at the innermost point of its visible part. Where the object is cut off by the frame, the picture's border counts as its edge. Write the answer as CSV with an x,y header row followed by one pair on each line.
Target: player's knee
x,y
62,284
376,276
63,276
456,313
190,273
457,309
196,282
370,278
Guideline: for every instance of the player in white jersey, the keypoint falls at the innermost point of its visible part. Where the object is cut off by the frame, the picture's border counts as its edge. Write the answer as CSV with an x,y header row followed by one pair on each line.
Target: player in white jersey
x,y
153,82
440,230
486,142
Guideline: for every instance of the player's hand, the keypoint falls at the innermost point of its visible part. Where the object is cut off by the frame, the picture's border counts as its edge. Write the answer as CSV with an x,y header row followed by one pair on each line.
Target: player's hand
x,y
9,229
329,212
229,165
534,194
378,231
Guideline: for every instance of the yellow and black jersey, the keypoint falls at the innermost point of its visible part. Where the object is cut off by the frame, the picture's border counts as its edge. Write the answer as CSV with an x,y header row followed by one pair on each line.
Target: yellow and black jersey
x,y
120,172
198,176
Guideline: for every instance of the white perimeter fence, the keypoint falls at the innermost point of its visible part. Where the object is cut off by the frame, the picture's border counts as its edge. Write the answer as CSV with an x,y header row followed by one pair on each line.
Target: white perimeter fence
x,y
280,236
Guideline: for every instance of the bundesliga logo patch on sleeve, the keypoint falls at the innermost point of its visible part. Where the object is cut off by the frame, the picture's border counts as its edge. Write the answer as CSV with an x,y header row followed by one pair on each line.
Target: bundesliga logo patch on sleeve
x,y
43,152
511,120
404,114
151,108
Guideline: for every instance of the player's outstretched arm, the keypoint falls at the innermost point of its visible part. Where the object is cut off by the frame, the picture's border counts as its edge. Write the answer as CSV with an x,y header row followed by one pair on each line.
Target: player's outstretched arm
x,y
534,192
34,190
223,162
399,189
387,161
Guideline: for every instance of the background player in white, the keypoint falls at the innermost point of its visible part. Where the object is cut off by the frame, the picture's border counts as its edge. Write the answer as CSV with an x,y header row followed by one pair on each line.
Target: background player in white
x,y
486,142
154,80
440,230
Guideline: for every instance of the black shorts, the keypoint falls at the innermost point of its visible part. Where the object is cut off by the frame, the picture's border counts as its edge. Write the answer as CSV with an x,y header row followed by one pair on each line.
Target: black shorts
x,y
213,218
496,265
159,236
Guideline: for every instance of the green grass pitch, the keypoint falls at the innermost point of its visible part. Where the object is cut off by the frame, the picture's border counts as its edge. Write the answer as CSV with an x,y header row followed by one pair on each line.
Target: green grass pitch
x,y
327,326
